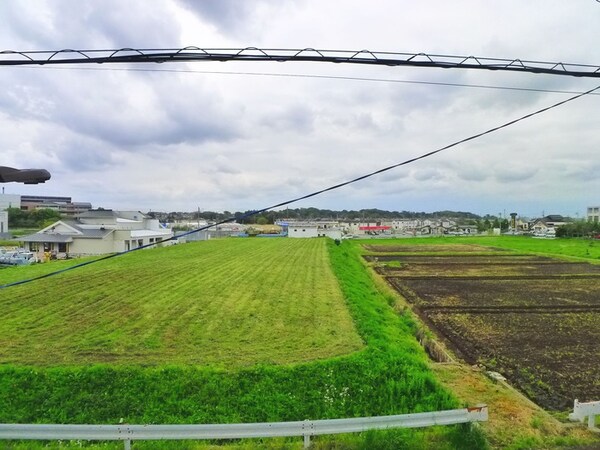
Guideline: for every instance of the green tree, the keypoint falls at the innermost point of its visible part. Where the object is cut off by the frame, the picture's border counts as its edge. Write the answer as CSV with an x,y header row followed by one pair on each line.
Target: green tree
x,y
37,218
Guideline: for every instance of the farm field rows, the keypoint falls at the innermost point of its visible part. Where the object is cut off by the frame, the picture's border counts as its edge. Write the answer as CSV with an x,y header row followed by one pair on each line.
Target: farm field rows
x,y
534,319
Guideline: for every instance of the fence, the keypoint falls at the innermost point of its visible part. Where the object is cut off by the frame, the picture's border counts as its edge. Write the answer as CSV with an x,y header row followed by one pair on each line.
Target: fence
x,y
583,410
306,429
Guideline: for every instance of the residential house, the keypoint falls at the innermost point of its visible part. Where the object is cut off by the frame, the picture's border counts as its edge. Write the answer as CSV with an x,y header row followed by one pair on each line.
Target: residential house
x,y
97,232
547,224
466,229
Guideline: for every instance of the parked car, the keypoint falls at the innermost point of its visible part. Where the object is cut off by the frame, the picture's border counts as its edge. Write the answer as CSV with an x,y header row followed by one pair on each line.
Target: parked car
x,y
17,258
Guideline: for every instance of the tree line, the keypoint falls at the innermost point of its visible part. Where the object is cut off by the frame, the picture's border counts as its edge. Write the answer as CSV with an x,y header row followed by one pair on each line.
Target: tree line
x,y
579,229
36,218
315,213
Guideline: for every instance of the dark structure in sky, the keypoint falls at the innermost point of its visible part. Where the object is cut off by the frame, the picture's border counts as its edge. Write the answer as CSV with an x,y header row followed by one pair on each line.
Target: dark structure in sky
x,y
27,176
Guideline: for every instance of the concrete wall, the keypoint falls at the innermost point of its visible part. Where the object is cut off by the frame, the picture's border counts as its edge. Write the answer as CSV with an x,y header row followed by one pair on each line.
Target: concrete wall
x,y
302,231
92,246
333,234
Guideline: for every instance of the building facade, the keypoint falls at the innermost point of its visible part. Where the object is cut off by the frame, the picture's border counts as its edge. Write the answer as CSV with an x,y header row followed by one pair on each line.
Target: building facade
x,y
313,229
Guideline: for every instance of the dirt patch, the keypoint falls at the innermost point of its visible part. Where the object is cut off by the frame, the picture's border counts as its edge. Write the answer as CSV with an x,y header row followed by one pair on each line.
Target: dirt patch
x,y
500,292
496,270
552,357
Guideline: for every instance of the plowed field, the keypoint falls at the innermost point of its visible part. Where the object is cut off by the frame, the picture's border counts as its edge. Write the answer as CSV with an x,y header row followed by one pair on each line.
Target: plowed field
x,y
534,319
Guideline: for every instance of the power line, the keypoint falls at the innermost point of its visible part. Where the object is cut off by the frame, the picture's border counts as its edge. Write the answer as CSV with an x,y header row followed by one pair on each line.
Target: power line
x,y
324,77
392,59
314,194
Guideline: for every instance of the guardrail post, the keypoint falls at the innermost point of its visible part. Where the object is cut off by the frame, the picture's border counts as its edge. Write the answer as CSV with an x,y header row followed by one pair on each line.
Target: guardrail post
x,y
127,443
306,440
307,427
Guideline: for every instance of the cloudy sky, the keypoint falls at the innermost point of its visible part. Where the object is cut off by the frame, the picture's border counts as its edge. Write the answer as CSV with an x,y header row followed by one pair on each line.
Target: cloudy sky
x,y
238,136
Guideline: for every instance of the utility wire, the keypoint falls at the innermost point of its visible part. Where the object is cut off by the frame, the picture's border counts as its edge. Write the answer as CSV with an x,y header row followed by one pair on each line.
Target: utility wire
x,y
313,194
322,77
364,57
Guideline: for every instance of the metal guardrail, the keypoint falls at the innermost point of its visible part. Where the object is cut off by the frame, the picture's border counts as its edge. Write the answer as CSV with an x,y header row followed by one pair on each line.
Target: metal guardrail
x,y
583,410
306,429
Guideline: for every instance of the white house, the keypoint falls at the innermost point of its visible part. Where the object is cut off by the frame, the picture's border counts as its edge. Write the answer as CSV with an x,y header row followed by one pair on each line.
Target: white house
x,y
316,229
97,232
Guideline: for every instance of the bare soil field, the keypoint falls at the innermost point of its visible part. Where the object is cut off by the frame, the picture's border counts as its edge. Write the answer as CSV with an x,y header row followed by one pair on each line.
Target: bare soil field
x,y
500,293
431,248
496,270
536,320
551,356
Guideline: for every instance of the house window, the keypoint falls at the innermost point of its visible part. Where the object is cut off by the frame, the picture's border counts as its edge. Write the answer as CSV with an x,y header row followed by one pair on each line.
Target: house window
x,y
62,247
34,246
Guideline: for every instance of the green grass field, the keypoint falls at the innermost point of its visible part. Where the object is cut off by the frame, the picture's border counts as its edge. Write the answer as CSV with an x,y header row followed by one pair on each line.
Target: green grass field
x,y
311,334
220,303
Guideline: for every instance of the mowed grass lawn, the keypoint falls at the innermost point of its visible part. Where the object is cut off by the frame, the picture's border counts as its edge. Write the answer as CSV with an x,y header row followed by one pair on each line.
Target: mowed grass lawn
x,y
225,303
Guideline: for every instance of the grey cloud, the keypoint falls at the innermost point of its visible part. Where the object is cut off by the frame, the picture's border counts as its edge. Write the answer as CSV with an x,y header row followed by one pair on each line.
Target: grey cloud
x,y
296,118
82,156
581,171
221,165
103,107
231,17
428,174
223,13
509,173
82,24
469,172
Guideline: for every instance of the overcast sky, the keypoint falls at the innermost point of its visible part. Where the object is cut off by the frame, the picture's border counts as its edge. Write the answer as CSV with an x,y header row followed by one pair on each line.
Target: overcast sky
x,y
177,137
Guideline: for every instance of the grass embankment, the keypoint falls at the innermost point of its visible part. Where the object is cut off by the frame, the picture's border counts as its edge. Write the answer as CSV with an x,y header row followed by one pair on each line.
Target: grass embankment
x,y
388,376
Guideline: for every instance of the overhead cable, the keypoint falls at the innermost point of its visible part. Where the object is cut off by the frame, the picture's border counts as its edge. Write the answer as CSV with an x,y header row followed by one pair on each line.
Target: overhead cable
x,y
326,77
364,57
